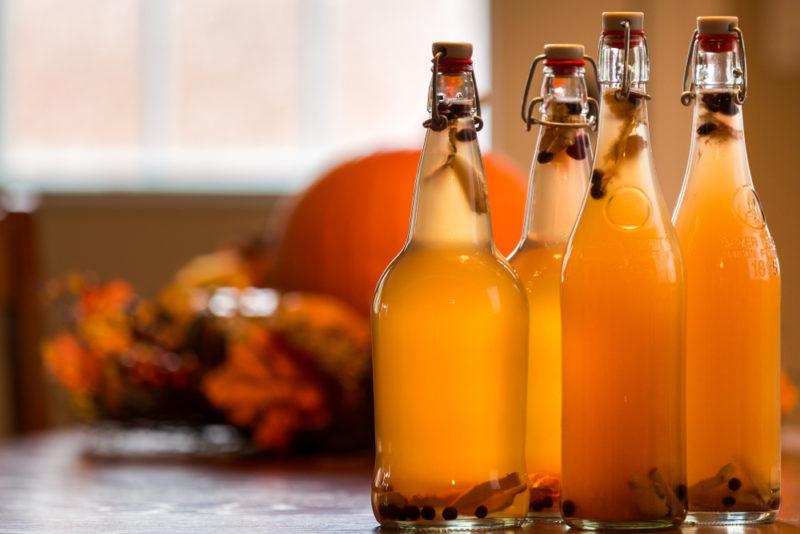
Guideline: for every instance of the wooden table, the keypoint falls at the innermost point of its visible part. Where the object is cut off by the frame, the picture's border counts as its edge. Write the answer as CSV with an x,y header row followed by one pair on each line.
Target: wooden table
x,y
46,485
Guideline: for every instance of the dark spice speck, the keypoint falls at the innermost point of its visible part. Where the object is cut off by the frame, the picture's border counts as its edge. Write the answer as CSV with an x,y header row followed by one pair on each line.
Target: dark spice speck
x,y
449,513
568,508
428,513
467,134
394,512
547,502
597,191
706,128
536,506
728,500
383,510
545,157
681,492
481,512
412,512
724,103
580,148
574,108
775,502
734,484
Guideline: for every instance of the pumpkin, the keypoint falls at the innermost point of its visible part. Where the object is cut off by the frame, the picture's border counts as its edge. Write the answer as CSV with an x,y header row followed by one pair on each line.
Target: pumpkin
x,y
343,231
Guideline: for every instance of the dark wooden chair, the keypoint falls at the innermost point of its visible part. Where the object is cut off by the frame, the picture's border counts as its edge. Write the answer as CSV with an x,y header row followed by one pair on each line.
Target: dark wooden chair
x,y
20,312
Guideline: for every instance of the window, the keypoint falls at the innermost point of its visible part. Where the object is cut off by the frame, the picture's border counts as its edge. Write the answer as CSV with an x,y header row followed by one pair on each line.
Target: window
x,y
214,95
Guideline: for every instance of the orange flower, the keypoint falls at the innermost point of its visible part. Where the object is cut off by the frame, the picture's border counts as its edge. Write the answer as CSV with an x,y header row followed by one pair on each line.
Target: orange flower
x,y
103,320
333,332
262,388
72,365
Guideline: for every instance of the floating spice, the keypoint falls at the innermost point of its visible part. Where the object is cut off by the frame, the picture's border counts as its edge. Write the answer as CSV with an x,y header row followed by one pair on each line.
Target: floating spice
x,y
751,494
463,170
484,498
568,508
556,139
627,145
598,189
715,110
449,513
428,513
653,496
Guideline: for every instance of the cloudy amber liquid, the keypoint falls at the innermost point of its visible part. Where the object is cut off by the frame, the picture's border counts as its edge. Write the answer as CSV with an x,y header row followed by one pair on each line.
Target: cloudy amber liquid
x,y
539,270
733,334
556,194
622,317
450,331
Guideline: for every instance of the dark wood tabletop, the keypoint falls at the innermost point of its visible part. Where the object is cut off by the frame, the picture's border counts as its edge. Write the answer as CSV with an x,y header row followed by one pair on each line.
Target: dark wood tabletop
x,y
48,485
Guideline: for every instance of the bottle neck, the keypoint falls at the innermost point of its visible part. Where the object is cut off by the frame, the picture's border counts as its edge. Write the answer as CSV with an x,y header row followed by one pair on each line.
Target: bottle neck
x,y
611,64
718,155
623,156
718,62
562,159
450,202
453,89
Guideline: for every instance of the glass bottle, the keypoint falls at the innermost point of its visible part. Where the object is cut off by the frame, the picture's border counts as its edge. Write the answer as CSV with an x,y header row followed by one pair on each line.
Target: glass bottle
x,y
558,182
450,338
733,297
622,312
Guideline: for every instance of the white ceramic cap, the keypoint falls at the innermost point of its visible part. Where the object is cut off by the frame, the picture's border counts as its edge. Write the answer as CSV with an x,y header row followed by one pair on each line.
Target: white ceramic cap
x,y
453,50
716,25
563,51
612,20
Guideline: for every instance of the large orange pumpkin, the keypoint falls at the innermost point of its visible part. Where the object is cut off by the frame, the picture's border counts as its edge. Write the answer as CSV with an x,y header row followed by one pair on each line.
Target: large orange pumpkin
x,y
345,228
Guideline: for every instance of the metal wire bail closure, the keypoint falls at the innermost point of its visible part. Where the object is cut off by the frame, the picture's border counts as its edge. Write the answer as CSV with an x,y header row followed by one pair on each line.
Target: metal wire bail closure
x,y
528,108
688,78
438,122
689,85
625,91
742,94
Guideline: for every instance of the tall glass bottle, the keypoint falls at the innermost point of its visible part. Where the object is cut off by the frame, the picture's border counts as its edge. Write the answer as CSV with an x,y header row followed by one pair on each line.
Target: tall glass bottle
x,y
622,310
733,286
558,182
450,338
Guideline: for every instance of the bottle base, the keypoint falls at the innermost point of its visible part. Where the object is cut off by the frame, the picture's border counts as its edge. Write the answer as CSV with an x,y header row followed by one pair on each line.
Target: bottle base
x,y
589,524
543,517
455,524
730,518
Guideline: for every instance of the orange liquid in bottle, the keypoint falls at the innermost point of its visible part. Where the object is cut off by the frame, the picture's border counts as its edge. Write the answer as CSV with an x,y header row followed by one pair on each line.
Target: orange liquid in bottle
x,y
559,179
450,326
733,326
622,314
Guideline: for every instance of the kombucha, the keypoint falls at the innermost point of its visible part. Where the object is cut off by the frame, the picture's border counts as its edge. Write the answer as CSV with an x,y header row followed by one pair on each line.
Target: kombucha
x,y
733,304
622,309
558,182
450,345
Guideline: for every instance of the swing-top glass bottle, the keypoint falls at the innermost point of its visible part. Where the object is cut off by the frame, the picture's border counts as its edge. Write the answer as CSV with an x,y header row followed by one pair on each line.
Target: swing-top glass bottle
x,y
558,182
450,327
733,286
622,310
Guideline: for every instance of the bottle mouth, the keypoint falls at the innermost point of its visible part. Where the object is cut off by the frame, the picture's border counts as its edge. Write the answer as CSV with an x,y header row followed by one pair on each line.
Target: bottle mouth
x,y
717,42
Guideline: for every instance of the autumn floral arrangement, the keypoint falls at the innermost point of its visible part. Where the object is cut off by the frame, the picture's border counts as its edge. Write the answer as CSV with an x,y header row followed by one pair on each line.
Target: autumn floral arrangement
x,y
289,370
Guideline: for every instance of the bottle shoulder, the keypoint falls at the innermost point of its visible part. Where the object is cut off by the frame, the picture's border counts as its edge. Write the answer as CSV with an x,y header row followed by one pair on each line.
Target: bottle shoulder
x,y
420,273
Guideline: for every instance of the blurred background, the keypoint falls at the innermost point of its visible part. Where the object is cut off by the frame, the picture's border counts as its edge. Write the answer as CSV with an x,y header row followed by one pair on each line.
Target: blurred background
x,y
136,135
